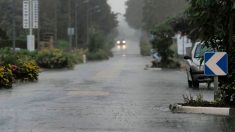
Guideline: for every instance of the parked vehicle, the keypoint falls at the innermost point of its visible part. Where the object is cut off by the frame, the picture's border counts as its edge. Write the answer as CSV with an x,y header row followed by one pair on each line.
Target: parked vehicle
x,y
195,66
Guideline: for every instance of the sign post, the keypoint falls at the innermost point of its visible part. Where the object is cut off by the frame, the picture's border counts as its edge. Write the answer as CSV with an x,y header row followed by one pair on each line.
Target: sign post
x,y
216,64
216,83
71,32
30,20
26,14
35,14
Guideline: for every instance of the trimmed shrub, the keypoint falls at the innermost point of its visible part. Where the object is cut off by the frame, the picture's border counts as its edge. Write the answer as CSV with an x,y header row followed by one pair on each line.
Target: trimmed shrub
x,y
6,77
26,71
20,65
145,48
25,53
62,44
99,55
7,56
78,55
56,58
200,102
52,58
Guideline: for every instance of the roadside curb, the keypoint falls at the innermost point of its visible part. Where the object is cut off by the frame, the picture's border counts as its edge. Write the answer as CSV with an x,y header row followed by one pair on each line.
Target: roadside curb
x,y
152,69
155,69
49,70
176,108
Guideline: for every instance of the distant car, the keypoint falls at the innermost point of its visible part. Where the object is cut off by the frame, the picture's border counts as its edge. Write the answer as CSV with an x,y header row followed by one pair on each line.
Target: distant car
x,y
121,44
195,66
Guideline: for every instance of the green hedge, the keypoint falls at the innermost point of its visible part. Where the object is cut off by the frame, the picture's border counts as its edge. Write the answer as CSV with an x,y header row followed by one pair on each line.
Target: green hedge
x,y
27,71
7,56
98,55
78,55
6,76
51,58
145,48
56,58
23,65
20,65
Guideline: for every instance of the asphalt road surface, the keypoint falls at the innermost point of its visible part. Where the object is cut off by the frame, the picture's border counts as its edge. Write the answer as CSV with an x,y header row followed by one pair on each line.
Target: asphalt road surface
x,y
117,95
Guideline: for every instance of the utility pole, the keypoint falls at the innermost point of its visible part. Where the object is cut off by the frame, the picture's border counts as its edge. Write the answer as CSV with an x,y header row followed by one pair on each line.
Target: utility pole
x,y
14,26
76,24
183,45
69,24
76,21
56,24
38,35
30,37
87,23
30,20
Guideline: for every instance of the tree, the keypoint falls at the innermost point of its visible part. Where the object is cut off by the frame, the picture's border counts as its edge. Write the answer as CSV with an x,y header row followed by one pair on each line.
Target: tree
x,y
3,35
209,21
97,41
181,24
54,16
162,41
6,17
134,13
156,12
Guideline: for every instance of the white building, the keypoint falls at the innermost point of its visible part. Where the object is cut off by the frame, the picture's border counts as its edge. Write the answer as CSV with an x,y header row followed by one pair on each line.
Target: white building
x,y
183,43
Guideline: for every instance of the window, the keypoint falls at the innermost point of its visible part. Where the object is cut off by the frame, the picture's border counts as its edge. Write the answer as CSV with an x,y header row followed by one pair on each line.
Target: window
x,y
200,50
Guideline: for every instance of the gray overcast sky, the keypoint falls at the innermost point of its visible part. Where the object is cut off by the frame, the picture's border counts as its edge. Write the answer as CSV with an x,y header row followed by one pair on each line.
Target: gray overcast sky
x,y
118,5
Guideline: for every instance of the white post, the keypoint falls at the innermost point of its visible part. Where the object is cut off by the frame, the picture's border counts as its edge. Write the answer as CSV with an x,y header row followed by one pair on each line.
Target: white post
x,y
30,17
84,58
216,86
30,37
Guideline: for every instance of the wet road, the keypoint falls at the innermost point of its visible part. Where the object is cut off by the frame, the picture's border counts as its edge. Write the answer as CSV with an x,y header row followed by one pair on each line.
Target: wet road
x,y
110,96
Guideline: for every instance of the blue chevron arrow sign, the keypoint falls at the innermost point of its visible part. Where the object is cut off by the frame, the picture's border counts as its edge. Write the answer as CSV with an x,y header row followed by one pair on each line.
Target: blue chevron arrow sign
x,y
216,64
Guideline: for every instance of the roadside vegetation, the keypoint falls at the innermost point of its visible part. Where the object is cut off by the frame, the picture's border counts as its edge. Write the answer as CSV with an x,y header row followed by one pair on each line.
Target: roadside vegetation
x,y
212,22
208,21
94,31
54,20
91,19
99,47
162,42
24,66
56,58
152,17
145,48
19,66
199,101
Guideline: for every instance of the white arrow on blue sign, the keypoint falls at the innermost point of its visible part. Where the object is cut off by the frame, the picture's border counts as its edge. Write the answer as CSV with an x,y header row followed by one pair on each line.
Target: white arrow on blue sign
x,y
216,64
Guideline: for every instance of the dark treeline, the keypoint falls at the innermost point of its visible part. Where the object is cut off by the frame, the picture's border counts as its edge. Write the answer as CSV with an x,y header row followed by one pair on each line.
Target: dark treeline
x,y
146,14
134,13
57,15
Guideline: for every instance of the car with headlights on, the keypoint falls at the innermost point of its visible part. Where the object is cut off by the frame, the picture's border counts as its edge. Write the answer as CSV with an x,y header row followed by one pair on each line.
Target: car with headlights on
x,y
121,44
195,66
